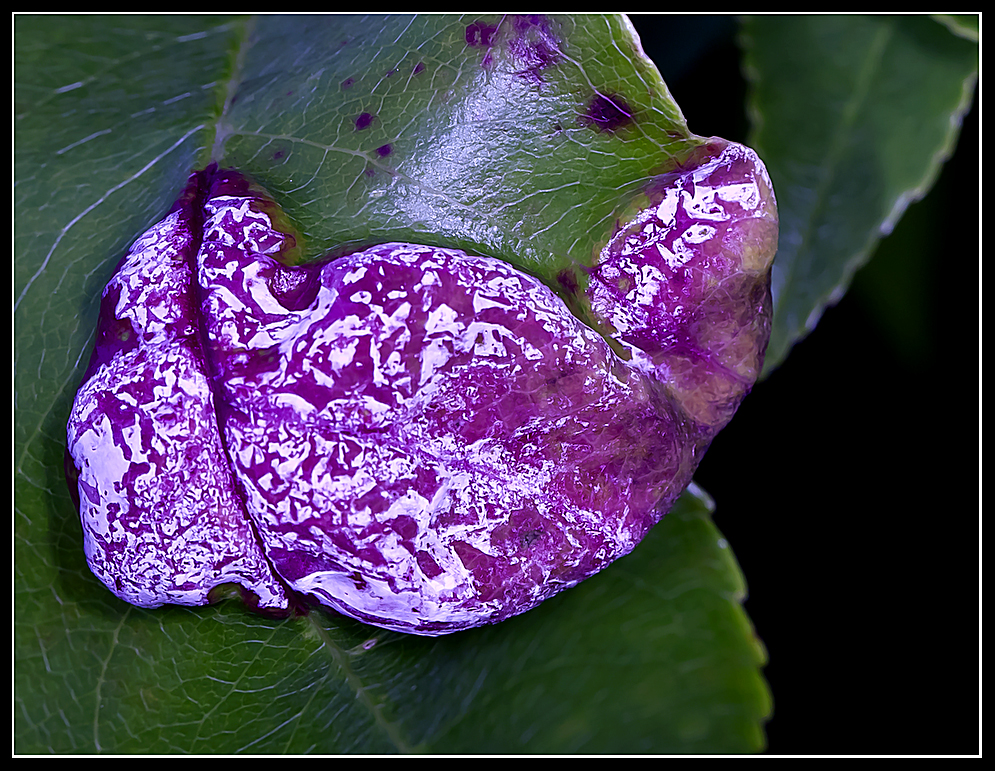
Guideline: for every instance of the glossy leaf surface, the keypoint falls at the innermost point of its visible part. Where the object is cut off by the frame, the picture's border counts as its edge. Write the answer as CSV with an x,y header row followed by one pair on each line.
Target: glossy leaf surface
x,y
853,116
364,130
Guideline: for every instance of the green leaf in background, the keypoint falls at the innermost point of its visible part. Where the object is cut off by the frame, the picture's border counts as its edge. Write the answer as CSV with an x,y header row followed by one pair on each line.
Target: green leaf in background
x,y
967,26
525,138
853,116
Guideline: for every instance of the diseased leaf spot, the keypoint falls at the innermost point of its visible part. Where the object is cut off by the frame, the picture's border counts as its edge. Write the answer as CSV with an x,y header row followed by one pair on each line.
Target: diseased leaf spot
x,y
419,68
416,437
480,34
607,112
534,45
530,42
364,120
347,83
568,280
384,150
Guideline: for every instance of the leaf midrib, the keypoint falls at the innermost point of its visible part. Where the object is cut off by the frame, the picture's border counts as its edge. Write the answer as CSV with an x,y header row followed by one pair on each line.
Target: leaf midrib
x,y
221,132
240,50
832,162
352,677
338,657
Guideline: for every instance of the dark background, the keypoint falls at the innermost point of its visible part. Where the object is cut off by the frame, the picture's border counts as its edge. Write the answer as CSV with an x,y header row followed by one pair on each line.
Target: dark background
x,y
848,482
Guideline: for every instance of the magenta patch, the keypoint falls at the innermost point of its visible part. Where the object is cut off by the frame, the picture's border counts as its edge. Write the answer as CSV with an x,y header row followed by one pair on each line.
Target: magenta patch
x,y
416,437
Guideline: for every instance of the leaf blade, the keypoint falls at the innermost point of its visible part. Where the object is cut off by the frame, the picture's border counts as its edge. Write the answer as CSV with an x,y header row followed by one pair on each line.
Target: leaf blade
x,y
853,116
93,674
476,104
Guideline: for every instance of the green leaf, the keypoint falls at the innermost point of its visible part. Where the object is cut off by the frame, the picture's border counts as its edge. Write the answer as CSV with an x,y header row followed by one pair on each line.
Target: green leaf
x,y
653,655
492,147
853,116
424,136
967,26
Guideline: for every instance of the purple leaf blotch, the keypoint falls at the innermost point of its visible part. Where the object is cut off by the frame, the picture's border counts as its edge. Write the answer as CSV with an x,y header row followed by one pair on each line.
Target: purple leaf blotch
x,y
415,437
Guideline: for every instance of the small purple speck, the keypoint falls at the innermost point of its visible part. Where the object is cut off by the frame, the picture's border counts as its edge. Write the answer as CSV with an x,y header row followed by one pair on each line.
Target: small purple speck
x,y
384,150
607,112
420,67
363,121
534,45
480,33
347,83
568,280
